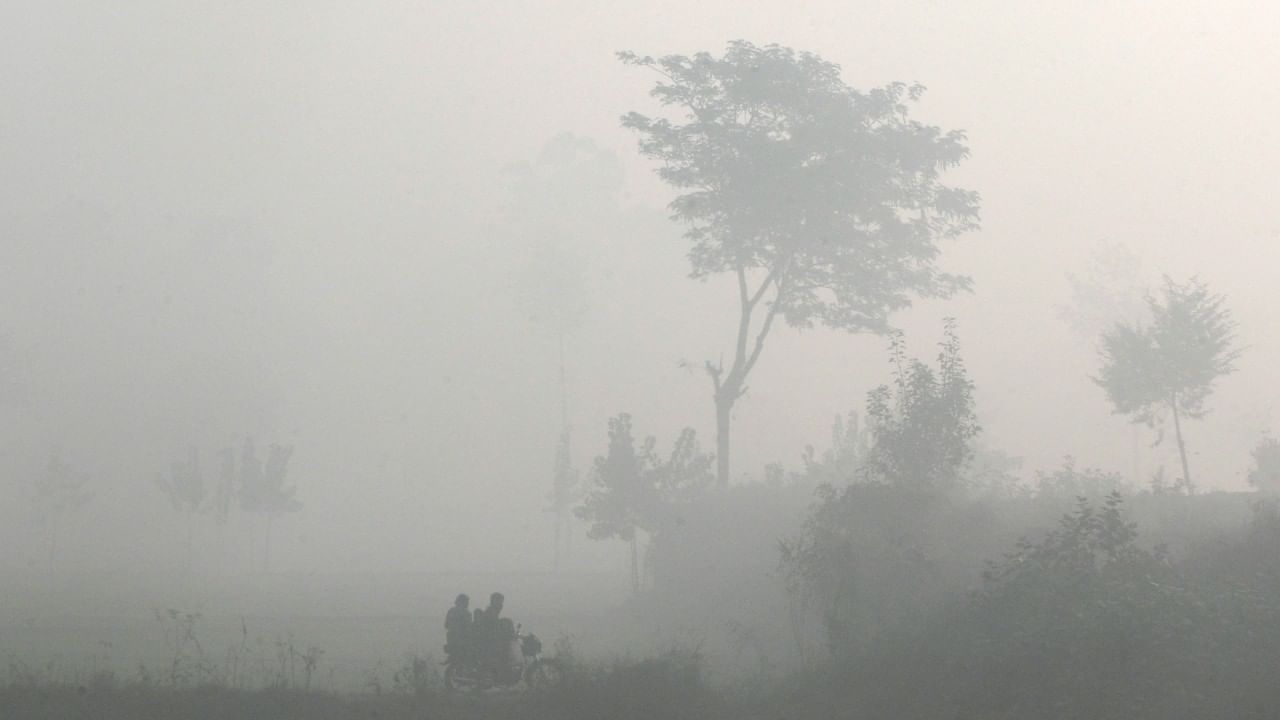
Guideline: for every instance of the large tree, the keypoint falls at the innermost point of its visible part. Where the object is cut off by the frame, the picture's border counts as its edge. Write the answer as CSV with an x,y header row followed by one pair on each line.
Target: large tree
x,y
1172,362
823,202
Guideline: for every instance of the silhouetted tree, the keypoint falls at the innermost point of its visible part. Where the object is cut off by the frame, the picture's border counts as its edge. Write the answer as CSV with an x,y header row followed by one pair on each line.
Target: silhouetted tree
x,y
617,504
263,489
923,425
1172,363
634,490
1069,482
821,201
226,486
59,490
1109,291
186,491
1265,473
842,461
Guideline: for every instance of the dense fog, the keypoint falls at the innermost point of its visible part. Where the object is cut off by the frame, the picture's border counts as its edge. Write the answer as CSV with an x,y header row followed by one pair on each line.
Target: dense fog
x,y
412,244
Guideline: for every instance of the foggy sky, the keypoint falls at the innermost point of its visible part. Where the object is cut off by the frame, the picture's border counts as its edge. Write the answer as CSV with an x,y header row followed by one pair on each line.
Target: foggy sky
x,y
293,220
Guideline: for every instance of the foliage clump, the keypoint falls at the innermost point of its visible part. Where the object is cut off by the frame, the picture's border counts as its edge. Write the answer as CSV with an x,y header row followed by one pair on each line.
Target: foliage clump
x,y
635,490
923,425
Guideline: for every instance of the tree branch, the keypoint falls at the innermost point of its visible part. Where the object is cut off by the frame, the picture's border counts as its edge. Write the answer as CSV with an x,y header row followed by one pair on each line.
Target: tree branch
x,y
714,372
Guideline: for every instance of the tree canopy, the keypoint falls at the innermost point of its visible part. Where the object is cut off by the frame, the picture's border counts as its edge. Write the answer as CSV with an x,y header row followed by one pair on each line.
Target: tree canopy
x,y
783,167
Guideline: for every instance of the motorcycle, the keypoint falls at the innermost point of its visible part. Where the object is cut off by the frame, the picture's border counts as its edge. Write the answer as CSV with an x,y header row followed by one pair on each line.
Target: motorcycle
x,y
528,666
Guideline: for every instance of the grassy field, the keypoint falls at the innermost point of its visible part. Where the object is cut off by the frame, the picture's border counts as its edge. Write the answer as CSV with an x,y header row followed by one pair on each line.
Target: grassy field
x,y
669,686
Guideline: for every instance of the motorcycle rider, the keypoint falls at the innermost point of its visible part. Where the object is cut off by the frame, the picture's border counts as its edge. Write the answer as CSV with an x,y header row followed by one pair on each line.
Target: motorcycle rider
x,y
494,634
460,633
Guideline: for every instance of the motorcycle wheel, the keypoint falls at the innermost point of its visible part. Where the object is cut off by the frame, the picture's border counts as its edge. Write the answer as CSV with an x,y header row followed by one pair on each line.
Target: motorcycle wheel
x,y
543,674
450,677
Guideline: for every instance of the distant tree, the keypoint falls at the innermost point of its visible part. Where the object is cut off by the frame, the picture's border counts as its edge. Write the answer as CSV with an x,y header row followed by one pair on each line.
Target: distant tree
x,y
58,491
1068,482
1265,473
225,488
634,490
263,489
1172,363
923,425
564,493
10,384
822,202
621,498
1109,291
558,207
994,472
843,461
186,492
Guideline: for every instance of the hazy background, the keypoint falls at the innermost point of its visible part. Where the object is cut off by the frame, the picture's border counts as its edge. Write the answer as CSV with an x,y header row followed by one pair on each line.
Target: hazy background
x,y
301,222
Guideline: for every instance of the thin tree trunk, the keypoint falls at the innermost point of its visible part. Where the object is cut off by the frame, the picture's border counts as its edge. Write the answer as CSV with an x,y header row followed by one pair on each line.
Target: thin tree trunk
x,y
562,518
724,416
1182,447
635,566
53,544
555,563
728,386
266,547
190,522
564,390
1136,449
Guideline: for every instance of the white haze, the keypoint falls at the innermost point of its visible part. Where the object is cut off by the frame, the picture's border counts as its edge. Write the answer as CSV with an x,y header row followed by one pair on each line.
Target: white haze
x,y
293,221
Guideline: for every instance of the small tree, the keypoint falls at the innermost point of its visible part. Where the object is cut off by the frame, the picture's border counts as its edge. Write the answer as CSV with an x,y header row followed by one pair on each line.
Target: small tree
x,y
226,486
186,491
621,498
263,489
841,462
1070,482
59,490
1172,363
823,203
1265,473
923,425
634,490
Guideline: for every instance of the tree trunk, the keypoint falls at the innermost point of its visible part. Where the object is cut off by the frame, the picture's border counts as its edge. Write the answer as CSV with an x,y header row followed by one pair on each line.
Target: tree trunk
x,y
1136,449
555,563
724,416
190,548
266,548
728,385
53,543
635,566
1182,447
